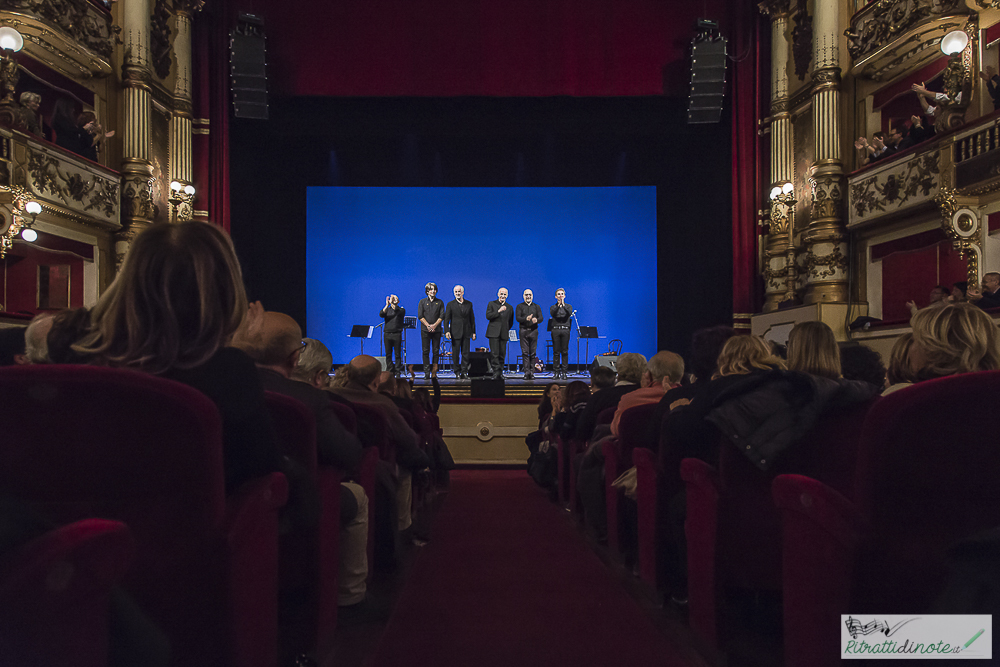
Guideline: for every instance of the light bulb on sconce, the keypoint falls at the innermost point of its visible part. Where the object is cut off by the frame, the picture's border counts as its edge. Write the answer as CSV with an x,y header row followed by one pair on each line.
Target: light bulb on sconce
x,y
33,208
954,42
181,195
29,235
176,186
10,39
189,190
787,188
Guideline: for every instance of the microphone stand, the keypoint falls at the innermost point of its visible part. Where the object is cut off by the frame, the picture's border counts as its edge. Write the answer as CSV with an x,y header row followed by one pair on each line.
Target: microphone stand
x,y
381,341
577,320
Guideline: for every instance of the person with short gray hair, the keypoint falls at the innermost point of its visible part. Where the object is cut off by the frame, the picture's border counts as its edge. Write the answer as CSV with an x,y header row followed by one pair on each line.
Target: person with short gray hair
x,y
28,113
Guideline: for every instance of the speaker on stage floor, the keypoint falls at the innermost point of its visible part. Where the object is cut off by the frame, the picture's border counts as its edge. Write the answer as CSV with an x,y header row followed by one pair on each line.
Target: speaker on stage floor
x,y
487,388
479,364
607,360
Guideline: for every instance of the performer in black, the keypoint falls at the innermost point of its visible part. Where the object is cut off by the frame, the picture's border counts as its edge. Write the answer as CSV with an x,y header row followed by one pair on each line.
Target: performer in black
x,y
561,313
460,327
430,311
501,317
528,315
393,332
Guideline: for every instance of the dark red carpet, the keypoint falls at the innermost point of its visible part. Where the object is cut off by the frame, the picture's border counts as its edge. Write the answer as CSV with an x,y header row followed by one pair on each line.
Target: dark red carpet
x,y
508,580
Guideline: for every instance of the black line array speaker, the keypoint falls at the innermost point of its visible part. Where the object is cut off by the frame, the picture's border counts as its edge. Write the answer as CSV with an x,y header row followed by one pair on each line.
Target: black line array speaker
x,y
248,67
708,75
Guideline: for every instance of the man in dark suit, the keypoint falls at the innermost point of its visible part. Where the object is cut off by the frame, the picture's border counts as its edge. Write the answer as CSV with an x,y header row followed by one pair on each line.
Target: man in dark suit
x,y
460,327
393,315
430,311
501,318
528,315
560,315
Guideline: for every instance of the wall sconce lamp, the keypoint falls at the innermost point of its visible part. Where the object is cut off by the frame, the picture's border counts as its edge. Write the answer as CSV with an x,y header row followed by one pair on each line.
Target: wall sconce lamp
x,y
10,43
21,222
181,196
954,42
953,45
782,205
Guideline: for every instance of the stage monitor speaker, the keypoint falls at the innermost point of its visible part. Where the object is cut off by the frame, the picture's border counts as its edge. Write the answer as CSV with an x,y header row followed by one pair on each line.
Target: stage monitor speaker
x,y
708,75
381,360
606,360
248,67
482,388
479,364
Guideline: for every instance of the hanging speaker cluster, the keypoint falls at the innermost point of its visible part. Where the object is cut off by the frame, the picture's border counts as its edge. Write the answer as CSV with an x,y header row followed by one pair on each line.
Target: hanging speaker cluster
x,y
248,67
708,74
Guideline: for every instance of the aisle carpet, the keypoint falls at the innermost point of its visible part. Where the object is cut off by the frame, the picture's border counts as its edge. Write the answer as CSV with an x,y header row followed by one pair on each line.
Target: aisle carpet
x,y
508,580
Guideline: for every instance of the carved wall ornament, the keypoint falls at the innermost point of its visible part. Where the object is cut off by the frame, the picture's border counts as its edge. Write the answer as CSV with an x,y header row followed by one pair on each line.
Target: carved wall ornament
x,y
137,198
962,225
779,106
827,197
774,8
775,277
188,6
159,47
802,38
882,21
81,20
79,191
832,262
827,76
896,188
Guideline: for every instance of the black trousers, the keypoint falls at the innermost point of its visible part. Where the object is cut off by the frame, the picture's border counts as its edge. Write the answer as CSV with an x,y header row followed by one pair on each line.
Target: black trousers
x,y
560,348
430,340
460,355
498,354
394,341
529,346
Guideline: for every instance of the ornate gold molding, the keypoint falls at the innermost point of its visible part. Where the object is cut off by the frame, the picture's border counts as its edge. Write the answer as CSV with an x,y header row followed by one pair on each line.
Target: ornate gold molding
x,y
834,261
827,197
87,191
137,197
775,9
964,228
883,21
81,20
159,33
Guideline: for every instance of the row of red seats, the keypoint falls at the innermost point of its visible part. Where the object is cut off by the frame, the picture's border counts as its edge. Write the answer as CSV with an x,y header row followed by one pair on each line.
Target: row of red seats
x,y
146,453
858,517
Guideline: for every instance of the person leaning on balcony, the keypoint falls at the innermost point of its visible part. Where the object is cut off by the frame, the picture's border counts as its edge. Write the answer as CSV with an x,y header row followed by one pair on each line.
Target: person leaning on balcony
x,y
992,85
27,114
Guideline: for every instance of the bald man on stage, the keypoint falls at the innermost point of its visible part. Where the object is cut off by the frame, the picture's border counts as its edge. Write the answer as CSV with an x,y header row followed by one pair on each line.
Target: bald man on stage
x,y
528,316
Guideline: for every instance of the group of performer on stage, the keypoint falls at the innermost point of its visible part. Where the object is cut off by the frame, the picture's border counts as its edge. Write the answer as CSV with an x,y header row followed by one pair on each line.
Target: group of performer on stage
x,y
457,321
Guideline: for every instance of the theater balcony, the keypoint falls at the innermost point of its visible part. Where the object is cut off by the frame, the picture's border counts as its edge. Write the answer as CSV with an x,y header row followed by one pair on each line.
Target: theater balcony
x,y
888,37
928,216
71,258
74,37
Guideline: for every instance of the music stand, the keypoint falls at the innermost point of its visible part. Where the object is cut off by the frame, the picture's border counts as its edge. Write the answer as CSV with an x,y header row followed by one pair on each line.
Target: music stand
x,y
511,338
586,333
408,323
361,331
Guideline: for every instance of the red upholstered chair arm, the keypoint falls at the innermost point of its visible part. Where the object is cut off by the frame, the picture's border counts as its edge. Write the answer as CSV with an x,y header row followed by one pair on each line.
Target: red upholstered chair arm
x,y
607,415
55,594
701,527
821,531
646,507
251,531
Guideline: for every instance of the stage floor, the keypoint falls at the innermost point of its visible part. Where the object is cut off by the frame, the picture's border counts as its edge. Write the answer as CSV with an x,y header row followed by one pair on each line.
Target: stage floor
x,y
514,383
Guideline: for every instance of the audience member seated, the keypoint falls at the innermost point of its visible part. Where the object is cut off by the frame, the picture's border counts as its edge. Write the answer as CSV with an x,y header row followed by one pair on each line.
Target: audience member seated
x,y
362,376
12,346
630,368
545,405
812,348
664,371
958,291
938,297
956,338
986,297
27,113
861,363
69,133
706,344
278,354
899,374
173,309
992,84
569,405
36,344
602,377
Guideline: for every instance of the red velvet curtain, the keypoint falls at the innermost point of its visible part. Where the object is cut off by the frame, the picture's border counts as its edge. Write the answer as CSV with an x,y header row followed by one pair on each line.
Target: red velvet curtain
x,y
211,102
508,48
745,47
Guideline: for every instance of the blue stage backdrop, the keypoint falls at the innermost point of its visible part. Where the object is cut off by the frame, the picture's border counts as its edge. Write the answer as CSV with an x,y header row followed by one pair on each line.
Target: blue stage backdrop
x,y
597,243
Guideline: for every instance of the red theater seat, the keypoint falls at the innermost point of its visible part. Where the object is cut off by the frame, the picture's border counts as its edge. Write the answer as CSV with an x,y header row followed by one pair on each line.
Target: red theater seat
x,y
83,441
55,595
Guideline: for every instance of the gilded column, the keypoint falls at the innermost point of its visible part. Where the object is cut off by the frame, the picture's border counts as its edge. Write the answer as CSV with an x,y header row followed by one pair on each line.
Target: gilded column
x,y
825,239
137,170
776,268
181,168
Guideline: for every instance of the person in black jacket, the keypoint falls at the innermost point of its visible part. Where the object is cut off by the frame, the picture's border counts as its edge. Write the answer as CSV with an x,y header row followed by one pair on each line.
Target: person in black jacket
x,y
528,316
393,315
561,314
430,312
501,317
460,328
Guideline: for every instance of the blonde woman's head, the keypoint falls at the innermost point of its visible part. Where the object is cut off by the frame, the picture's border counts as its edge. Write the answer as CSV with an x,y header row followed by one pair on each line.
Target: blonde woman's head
x,y
955,338
812,348
178,298
745,354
